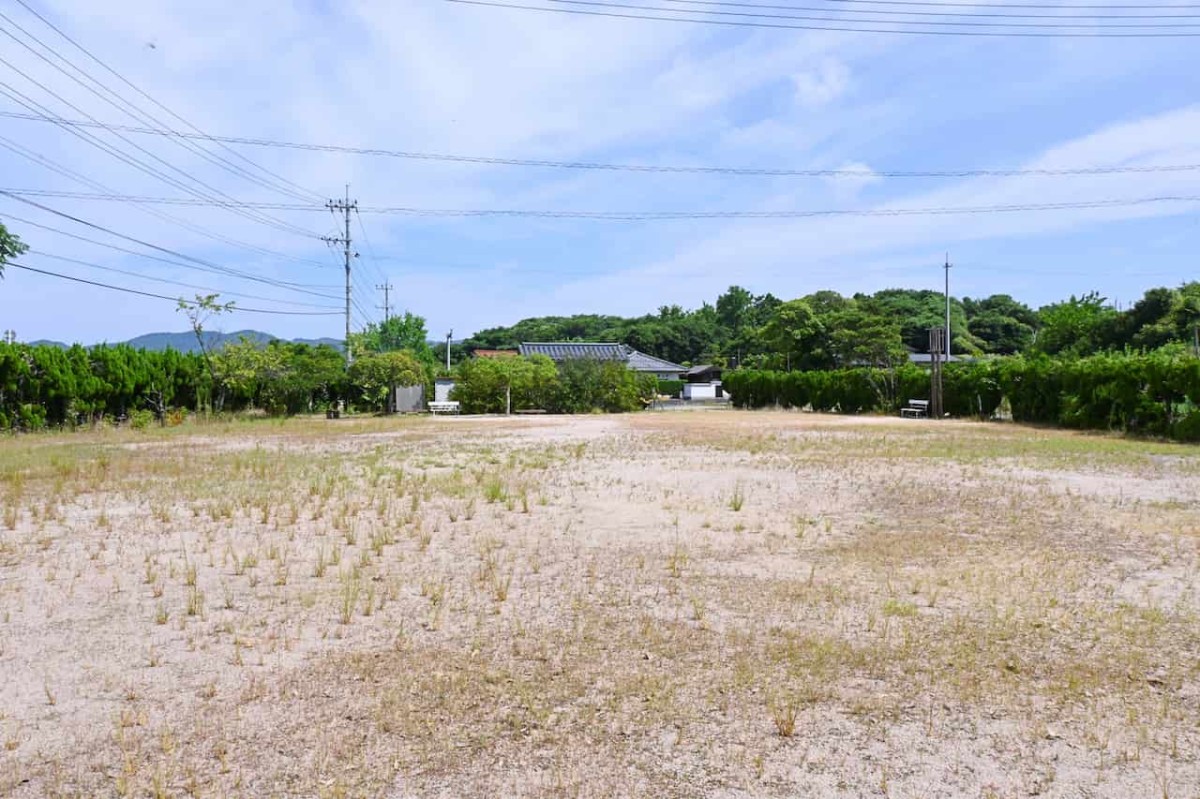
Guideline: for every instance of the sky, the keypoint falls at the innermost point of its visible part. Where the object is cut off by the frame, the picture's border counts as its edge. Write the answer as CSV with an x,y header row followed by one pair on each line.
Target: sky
x,y
427,76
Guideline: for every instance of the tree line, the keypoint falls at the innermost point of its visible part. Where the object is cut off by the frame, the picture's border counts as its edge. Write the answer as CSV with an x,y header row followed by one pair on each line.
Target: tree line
x,y
1156,392
1079,362
826,330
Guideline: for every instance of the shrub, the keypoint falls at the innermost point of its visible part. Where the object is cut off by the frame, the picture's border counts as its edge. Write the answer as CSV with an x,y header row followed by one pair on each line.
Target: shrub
x,y
140,419
670,388
1154,393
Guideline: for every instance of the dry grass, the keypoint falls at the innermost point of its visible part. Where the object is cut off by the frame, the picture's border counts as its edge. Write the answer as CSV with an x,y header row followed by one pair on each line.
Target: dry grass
x,y
715,603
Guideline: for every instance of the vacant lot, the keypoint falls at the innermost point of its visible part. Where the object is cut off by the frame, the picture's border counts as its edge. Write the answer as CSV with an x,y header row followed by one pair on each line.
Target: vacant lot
x,y
673,604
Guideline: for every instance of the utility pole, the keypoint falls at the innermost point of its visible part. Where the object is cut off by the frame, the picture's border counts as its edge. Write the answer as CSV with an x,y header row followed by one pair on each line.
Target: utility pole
x,y
345,207
386,289
947,268
448,337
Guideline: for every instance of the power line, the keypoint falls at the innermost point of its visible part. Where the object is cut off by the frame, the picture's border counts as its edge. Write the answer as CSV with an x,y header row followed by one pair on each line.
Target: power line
x,y
371,257
41,160
202,262
143,276
120,155
134,111
890,12
680,169
1072,6
282,180
836,28
231,272
127,290
990,22
652,216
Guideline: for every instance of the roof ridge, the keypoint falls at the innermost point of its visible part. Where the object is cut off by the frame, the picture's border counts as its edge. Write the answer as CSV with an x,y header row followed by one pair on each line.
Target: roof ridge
x,y
577,343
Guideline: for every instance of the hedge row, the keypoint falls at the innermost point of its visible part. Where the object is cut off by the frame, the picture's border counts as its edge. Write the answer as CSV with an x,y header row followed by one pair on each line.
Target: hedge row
x,y
1156,393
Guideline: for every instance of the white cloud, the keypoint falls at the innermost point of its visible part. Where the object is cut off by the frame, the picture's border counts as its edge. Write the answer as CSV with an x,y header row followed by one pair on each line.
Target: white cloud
x,y
822,84
797,256
431,76
848,187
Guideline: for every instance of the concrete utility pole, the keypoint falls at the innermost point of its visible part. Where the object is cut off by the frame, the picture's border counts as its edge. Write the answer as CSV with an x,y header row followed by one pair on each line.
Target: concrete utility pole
x,y
448,337
345,207
386,288
947,268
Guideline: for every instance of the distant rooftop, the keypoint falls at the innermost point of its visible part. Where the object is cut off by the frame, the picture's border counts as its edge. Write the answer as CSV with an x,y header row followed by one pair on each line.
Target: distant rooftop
x,y
600,351
576,350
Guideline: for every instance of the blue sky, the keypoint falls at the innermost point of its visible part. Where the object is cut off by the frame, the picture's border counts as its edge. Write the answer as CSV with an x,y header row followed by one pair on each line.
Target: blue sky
x,y
423,75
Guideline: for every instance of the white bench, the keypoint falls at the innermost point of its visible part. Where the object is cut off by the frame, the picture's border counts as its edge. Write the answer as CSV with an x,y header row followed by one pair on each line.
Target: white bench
x,y
916,409
443,407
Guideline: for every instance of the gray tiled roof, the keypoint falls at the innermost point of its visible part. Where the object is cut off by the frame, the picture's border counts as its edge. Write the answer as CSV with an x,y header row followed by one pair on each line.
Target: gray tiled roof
x,y
575,350
599,351
641,362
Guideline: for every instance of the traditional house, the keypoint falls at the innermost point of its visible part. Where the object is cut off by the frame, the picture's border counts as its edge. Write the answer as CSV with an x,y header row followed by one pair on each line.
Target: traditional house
x,y
559,351
703,383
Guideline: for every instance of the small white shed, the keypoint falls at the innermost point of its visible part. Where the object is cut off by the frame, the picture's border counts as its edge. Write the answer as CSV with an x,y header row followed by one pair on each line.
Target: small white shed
x,y
699,391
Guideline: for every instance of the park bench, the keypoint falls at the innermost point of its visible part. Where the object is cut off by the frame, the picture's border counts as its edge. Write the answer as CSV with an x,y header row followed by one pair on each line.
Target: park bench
x,y
916,409
443,407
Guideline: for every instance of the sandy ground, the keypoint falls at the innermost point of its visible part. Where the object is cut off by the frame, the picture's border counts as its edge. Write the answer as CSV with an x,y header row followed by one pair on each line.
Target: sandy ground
x,y
717,604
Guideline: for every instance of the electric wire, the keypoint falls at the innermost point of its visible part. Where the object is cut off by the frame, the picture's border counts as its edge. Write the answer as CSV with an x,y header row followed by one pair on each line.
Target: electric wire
x,y
373,259
128,290
144,276
660,216
125,157
168,251
1002,31
41,160
990,22
138,114
617,167
227,271
282,180
987,15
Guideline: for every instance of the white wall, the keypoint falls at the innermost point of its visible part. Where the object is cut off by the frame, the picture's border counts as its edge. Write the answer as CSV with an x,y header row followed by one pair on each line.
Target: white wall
x,y
442,389
693,391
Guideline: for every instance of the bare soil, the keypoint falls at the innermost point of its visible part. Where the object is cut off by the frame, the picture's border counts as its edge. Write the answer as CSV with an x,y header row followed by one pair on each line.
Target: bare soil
x,y
717,604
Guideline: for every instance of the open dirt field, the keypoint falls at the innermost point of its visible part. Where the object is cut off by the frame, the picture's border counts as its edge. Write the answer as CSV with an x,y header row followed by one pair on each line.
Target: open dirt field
x,y
712,604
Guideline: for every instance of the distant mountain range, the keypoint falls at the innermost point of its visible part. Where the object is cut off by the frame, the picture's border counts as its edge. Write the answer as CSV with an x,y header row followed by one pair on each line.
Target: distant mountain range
x,y
186,341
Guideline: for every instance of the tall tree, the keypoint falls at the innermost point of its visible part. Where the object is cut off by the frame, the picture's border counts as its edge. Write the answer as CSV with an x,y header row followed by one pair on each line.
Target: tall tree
x,y
404,332
198,312
10,247
1074,327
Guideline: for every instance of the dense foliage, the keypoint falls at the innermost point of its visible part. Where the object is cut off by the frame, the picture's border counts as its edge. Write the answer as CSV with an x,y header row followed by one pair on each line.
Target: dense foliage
x,y
487,385
44,386
1155,393
826,330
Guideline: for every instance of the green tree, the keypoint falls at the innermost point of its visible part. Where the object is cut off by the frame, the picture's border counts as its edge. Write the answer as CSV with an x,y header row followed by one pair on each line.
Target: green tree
x,y
376,375
199,311
485,385
404,332
796,332
1073,327
861,338
10,247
